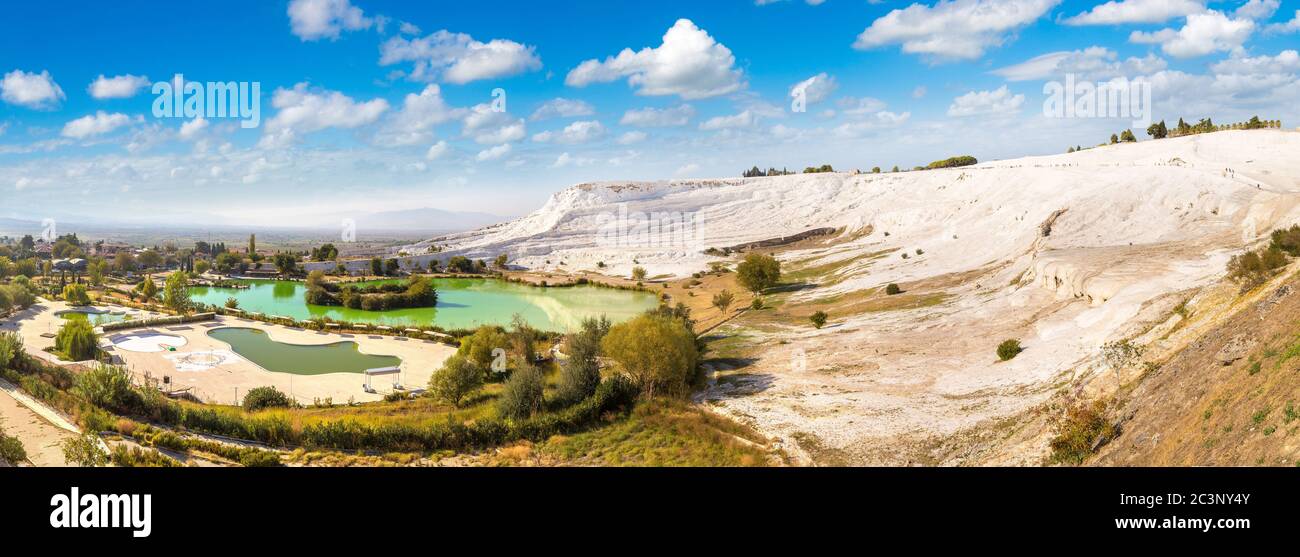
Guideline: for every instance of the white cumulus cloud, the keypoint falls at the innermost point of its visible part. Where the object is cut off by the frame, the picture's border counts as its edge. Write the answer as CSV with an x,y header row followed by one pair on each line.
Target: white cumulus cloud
x,y
458,58
986,103
306,110
117,87
562,108
577,132
952,29
1137,11
689,64
1203,34
91,125
32,90
658,117
313,20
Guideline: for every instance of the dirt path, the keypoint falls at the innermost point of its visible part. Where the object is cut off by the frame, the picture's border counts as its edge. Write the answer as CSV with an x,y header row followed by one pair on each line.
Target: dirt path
x,y
40,438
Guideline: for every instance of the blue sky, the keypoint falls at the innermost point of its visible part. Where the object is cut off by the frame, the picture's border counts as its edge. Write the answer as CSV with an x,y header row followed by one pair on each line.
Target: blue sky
x,y
384,105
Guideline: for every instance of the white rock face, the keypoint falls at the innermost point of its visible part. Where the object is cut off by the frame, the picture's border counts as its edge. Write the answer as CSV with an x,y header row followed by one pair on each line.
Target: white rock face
x,y
1129,224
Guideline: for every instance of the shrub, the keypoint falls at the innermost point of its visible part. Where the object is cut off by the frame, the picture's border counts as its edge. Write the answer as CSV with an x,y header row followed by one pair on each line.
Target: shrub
x,y
84,450
818,319
964,160
1287,240
758,272
11,349
458,378
723,300
1009,349
1253,268
523,394
1079,431
265,397
757,304
893,289
108,387
75,295
136,457
656,350
638,273
259,459
11,449
580,374
76,340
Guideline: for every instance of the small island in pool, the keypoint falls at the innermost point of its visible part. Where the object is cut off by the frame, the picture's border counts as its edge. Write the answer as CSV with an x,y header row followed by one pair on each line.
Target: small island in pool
x,y
416,292
463,303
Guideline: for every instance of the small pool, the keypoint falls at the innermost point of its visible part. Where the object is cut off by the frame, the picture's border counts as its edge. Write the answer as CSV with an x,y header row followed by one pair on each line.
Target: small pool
x,y
299,359
96,317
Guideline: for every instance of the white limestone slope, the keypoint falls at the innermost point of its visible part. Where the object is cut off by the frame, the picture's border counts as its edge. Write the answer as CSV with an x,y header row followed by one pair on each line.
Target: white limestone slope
x,y
1129,225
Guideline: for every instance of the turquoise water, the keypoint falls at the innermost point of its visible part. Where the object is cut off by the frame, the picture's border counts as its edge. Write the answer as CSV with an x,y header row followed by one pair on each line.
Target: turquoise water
x,y
96,319
341,357
462,304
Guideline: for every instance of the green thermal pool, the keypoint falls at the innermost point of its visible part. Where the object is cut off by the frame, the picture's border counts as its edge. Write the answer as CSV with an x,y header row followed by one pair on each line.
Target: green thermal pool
x,y
299,359
462,304
96,319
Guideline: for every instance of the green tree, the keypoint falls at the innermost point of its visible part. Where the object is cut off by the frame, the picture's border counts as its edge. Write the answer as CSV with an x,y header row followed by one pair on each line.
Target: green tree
x,y
176,292
377,266
96,271
1114,139
84,450
26,267
75,295
723,300
108,387
150,259
252,244
285,263
758,272
76,340
265,397
390,267
479,347
501,261
580,374
147,289
818,319
638,273
11,450
658,352
523,395
458,378
201,266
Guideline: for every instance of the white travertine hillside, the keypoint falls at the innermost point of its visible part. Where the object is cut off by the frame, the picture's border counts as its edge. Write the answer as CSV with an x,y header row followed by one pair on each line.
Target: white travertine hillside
x,y
1065,252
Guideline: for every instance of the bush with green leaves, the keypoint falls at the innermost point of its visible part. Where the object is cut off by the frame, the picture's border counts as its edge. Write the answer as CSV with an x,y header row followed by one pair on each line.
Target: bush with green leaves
x,y
658,352
11,349
1009,349
11,449
84,451
136,457
818,319
457,379
523,395
75,295
76,340
1253,268
1079,430
108,387
758,272
893,289
258,398
638,273
580,374
723,300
